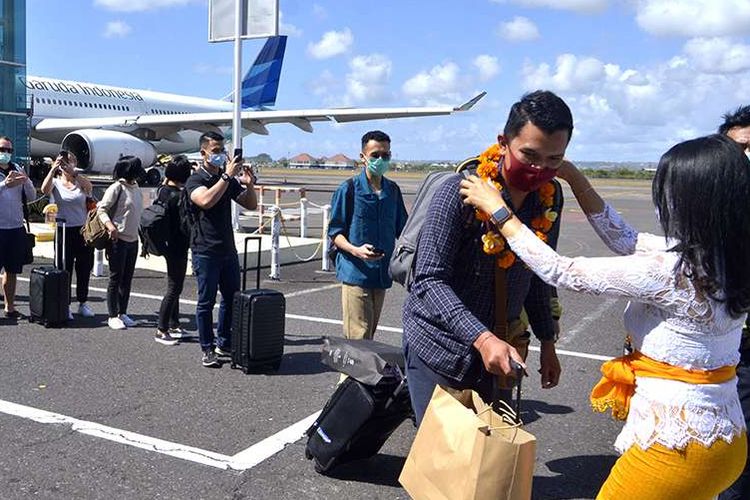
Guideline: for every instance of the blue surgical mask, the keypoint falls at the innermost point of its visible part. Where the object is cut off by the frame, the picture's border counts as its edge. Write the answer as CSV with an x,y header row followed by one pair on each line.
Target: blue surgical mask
x,y
4,158
378,166
217,159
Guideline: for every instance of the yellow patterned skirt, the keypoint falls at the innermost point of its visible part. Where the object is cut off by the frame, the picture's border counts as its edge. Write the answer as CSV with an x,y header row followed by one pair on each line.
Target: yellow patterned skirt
x,y
658,473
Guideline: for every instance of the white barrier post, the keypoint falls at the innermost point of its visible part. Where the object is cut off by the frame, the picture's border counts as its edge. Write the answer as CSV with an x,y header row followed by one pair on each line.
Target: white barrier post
x,y
260,210
326,262
275,238
235,216
303,204
98,263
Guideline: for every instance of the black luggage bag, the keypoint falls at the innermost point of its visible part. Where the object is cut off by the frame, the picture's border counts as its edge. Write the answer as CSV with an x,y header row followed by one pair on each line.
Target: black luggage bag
x,y
358,418
49,290
258,322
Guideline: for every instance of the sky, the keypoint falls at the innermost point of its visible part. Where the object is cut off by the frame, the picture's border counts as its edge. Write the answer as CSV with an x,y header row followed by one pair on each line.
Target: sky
x,y
639,75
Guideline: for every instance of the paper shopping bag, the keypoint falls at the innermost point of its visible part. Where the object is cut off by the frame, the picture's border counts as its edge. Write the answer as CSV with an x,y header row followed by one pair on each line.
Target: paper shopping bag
x,y
465,451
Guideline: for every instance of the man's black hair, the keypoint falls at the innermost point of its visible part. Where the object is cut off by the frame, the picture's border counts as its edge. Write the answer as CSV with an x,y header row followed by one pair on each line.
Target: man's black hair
x,y
701,190
740,118
178,169
542,109
209,136
375,135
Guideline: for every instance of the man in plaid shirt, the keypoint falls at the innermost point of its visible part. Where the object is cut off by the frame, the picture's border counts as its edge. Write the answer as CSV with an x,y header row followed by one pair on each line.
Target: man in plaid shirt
x,y
449,313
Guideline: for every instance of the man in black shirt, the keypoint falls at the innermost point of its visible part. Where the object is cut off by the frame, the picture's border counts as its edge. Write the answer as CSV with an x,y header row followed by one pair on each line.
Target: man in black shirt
x,y
215,264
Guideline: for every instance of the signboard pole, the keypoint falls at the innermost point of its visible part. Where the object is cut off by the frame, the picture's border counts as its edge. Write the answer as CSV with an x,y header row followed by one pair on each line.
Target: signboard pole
x,y
237,101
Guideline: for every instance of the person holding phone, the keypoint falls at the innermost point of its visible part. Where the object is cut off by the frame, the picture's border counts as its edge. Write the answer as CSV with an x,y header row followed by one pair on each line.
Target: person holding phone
x,y
367,217
213,186
69,190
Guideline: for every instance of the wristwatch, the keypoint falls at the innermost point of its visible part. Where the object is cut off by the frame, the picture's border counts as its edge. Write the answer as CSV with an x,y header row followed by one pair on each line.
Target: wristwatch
x,y
501,216
225,177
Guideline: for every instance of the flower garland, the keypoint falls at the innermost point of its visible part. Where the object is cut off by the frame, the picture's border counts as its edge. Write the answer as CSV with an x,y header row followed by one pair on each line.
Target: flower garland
x,y
493,242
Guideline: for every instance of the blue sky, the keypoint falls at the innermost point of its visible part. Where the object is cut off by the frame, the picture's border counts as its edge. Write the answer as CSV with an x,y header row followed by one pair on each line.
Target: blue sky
x,y
639,75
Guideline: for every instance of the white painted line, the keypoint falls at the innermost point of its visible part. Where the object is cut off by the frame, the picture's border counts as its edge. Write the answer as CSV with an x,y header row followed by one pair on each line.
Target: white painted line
x,y
587,320
574,354
270,446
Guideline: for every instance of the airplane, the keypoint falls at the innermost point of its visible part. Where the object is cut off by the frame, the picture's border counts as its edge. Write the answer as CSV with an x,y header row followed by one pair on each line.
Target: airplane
x,y
100,123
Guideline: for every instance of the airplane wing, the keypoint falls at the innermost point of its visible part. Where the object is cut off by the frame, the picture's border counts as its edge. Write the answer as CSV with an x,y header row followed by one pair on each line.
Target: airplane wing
x,y
166,126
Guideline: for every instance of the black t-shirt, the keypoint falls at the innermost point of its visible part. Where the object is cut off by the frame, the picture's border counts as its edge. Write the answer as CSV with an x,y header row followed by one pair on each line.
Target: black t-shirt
x,y
178,241
212,232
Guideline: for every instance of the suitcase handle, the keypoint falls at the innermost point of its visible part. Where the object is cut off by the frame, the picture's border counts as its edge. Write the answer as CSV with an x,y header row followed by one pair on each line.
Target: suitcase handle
x,y
259,239
60,223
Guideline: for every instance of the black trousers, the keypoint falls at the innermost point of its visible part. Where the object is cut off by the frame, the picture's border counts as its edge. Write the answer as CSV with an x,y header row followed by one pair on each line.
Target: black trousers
x,y
740,490
122,256
169,312
78,256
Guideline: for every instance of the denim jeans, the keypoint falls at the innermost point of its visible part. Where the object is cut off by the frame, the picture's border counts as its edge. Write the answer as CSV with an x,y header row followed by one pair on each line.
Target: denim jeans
x,y
741,488
215,273
169,312
122,256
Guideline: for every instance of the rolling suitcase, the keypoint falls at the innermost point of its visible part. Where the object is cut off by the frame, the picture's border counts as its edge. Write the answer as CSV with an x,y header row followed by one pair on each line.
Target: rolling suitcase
x,y
258,321
357,420
49,290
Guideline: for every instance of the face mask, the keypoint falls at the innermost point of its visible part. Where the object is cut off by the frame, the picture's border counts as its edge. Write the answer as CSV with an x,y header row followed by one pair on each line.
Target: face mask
x,y
4,158
378,166
525,176
217,159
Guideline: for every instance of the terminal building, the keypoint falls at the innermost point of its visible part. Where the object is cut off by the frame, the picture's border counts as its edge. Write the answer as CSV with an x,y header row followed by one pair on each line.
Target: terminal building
x,y
15,113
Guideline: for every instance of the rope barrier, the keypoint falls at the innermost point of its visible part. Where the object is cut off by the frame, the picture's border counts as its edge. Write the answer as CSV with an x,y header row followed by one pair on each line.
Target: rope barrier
x,y
289,242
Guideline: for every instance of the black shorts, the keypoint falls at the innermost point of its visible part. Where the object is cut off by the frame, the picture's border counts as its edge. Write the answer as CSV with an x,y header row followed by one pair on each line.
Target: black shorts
x,y
12,249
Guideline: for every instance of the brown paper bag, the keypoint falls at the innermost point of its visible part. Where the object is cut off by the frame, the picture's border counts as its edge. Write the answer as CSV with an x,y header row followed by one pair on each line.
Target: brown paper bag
x,y
465,451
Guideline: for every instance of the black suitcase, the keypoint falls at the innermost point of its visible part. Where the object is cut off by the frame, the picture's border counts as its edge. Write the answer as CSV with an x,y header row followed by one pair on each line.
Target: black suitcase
x,y
49,290
357,420
258,322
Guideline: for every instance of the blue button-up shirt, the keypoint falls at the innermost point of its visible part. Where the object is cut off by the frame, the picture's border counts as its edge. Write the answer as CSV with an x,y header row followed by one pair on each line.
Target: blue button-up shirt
x,y
452,299
377,219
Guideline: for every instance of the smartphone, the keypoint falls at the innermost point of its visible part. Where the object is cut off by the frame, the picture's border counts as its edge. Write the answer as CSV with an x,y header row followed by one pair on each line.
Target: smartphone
x,y
237,153
378,251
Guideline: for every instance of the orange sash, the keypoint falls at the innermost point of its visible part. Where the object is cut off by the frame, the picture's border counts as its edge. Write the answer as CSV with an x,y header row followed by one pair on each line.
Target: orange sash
x,y
617,385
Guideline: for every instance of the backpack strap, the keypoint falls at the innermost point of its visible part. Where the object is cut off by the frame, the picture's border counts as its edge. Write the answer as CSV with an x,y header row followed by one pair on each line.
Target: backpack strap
x,y
349,204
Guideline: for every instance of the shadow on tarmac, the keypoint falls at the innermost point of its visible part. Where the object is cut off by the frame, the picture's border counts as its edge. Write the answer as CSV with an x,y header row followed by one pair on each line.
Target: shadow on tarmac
x,y
577,477
532,410
382,470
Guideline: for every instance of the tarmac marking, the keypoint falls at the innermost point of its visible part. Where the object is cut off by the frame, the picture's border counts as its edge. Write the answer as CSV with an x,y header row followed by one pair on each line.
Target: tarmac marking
x,y
243,460
587,320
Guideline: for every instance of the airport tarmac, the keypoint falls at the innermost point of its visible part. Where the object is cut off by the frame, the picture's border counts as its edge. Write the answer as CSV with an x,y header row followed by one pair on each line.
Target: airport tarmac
x,y
88,413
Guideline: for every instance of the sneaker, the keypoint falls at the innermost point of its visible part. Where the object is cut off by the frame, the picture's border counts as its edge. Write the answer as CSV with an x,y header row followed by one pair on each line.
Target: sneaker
x,y
15,314
127,321
210,360
85,311
70,314
116,324
178,333
221,352
165,338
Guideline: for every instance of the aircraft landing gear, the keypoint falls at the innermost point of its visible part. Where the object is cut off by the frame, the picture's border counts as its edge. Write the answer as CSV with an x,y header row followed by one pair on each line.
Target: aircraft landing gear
x,y
153,177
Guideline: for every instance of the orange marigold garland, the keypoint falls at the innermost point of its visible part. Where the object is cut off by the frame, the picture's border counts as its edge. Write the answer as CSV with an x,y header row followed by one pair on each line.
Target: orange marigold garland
x,y
493,243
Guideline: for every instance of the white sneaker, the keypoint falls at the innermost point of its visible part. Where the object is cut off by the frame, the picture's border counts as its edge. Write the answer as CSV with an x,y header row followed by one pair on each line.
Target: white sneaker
x,y
85,311
179,333
127,321
116,324
70,315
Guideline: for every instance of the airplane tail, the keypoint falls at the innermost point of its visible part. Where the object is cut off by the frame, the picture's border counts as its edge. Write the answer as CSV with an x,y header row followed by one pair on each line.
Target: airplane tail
x,y
261,82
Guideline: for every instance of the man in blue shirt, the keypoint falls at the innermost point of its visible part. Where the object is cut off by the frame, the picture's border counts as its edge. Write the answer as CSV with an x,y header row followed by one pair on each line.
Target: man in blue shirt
x,y
367,217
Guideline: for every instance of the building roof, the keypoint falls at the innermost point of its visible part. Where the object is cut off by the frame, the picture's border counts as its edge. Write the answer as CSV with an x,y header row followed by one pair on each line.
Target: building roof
x,y
303,158
340,158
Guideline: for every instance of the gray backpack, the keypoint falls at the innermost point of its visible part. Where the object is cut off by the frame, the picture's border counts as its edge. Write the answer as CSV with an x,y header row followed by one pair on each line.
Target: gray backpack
x,y
401,267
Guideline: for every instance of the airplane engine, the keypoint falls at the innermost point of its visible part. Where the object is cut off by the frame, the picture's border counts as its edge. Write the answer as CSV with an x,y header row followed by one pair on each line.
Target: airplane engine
x,y
99,150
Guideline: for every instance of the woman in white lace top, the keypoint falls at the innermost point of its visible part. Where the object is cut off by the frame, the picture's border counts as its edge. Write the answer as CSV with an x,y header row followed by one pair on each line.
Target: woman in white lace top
x,y
684,435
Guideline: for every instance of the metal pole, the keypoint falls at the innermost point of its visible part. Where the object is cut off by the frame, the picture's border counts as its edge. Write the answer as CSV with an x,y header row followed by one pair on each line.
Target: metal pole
x,y
260,210
98,263
326,262
303,217
237,118
275,239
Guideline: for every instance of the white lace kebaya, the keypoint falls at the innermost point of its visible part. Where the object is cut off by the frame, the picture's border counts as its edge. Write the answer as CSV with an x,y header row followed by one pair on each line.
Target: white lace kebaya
x,y
667,319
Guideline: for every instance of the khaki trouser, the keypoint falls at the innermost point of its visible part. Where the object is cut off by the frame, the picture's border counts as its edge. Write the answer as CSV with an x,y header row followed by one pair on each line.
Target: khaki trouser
x,y
361,310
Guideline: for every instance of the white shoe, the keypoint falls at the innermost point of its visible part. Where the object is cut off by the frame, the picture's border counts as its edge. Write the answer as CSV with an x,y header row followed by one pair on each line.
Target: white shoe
x,y
179,333
116,324
70,315
85,311
127,321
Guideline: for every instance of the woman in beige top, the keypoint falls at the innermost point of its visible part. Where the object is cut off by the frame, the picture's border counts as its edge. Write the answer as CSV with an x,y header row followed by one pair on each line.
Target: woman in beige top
x,y
120,211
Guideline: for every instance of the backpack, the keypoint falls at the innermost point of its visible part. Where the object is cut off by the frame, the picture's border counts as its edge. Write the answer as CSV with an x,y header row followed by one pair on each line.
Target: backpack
x,y
154,228
186,212
333,250
401,267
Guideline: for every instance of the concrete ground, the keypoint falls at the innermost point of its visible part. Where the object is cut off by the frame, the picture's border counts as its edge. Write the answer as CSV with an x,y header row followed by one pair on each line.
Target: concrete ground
x,y
87,412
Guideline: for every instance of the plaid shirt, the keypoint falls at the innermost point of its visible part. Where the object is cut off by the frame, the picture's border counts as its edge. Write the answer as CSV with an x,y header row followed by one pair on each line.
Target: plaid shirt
x,y
452,298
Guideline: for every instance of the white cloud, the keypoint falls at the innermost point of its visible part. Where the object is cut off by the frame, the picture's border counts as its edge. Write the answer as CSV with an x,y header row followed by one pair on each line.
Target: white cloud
x,y
488,67
440,84
519,29
332,44
368,79
718,55
319,11
288,28
570,74
694,18
117,29
582,6
139,5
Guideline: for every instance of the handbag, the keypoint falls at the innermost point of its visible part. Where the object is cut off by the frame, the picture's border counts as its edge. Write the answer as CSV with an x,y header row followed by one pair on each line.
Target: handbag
x,y
465,450
94,231
29,237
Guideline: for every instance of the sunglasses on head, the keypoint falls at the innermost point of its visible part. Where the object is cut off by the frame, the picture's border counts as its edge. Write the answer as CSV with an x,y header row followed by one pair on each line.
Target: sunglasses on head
x,y
378,154
6,150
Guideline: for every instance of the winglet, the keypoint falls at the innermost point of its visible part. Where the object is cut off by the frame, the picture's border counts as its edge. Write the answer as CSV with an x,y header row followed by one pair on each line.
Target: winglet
x,y
470,103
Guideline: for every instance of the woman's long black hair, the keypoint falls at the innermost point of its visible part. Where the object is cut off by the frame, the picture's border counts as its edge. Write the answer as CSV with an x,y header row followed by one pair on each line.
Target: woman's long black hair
x,y
702,193
128,168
